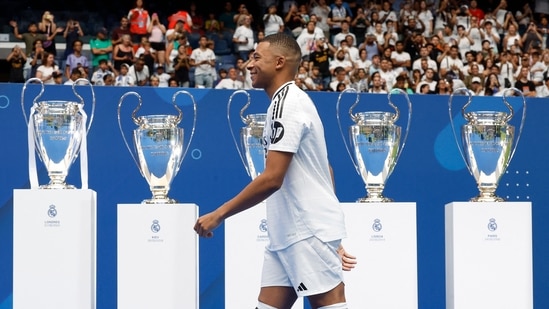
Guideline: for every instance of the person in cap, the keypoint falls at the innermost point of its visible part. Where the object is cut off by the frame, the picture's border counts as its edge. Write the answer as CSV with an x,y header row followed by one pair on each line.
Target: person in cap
x,y
101,48
123,78
476,86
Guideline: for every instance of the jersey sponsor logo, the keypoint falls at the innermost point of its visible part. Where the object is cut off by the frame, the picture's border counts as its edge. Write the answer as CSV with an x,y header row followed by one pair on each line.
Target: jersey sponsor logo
x,y
277,132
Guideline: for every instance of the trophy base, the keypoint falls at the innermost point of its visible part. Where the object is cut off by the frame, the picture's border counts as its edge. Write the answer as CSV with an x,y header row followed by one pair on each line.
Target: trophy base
x,y
489,199
377,199
57,186
159,201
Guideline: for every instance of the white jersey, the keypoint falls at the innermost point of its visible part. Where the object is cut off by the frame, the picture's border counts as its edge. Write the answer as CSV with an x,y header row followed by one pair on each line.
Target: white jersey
x,y
306,204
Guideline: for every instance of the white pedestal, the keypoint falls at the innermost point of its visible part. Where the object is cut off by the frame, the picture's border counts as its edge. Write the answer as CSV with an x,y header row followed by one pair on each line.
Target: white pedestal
x,y
54,241
157,256
489,255
245,241
383,238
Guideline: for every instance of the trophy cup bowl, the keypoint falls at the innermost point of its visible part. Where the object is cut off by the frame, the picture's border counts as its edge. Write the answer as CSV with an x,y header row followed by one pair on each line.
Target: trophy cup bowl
x,y
58,134
159,146
487,144
57,130
375,141
251,148
376,144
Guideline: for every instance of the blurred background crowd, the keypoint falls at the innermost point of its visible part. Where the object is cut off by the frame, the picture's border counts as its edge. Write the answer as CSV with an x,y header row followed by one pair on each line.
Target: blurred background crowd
x,y
419,46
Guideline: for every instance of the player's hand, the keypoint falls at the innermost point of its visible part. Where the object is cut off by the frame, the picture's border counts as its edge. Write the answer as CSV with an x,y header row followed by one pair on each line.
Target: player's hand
x,y
348,261
205,225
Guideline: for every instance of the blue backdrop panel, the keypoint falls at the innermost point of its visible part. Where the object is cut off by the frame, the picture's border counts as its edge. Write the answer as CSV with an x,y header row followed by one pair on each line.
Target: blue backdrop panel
x,y
430,172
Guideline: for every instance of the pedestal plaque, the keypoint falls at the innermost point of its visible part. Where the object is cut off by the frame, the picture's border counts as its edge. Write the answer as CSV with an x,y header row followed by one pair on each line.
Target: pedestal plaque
x,y
157,256
489,255
54,249
245,241
383,238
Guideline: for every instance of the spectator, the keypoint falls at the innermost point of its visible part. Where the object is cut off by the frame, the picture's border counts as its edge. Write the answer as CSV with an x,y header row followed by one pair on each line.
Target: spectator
x,y
426,18
36,57
387,13
371,46
544,92
377,85
72,32
104,68
16,60
524,17
531,38
443,87
117,33
475,11
360,80
75,74
476,87
429,79
154,81
108,80
451,62
243,37
173,82
123,52
48,26
101,48
212,25
424,55
512,41
272,22
172,51
388,75
306,40
182,66
241,14
76,59
57,77
507,69
524,84
231,82
340,76
338,13
314,81
163,77
464,41
491,35
197,27
362,62
359,25
340,61
139,72
139,21
492,86
46,70
203,59
146,52
29,37
226,18
123,79
476,34
293,21
321,10
402,83
157,33
400,58
345,31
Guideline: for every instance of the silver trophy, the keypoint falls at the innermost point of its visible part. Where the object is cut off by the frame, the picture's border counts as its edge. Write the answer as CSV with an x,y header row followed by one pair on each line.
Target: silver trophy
x,y
487,142
158,142
251,148
57,132
376,144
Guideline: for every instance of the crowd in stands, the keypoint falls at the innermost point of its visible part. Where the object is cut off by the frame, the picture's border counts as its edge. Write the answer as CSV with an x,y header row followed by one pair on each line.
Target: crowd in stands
x,y
419,46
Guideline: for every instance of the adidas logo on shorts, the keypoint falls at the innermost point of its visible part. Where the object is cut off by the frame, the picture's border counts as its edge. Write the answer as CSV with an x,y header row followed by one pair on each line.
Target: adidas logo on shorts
x,y
301,287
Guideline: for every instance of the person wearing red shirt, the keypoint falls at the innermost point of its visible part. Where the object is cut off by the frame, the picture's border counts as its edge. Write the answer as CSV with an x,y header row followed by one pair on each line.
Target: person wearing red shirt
x,y
139,21
183,16
475,11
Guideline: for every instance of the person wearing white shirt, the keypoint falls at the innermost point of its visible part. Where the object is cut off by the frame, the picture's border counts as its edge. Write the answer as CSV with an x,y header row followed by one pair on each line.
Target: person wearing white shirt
x,y
273,23
320,13
339,61
163,77
231,82
464,41
424,55
306,40
400,58
345,31
123,79
544,90
243,37
140,72
451,62
203,59
388,75
363,62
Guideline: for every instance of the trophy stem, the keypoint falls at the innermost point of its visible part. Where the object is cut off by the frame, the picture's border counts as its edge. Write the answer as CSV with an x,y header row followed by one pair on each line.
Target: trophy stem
x,y
375,195
487,194
160,196
57,182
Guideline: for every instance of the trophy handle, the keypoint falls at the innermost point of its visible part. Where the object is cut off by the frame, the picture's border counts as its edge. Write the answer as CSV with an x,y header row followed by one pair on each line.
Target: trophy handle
x,y
135,120
469,94
353,117
514,90
397,114
87,82
30,80
180,117
245,120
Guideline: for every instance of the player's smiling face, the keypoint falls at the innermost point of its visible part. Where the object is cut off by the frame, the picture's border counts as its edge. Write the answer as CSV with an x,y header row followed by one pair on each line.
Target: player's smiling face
x,y
262,65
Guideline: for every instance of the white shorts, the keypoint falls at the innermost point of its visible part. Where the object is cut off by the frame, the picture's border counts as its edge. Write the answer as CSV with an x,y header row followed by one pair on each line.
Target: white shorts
x,y
309,266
